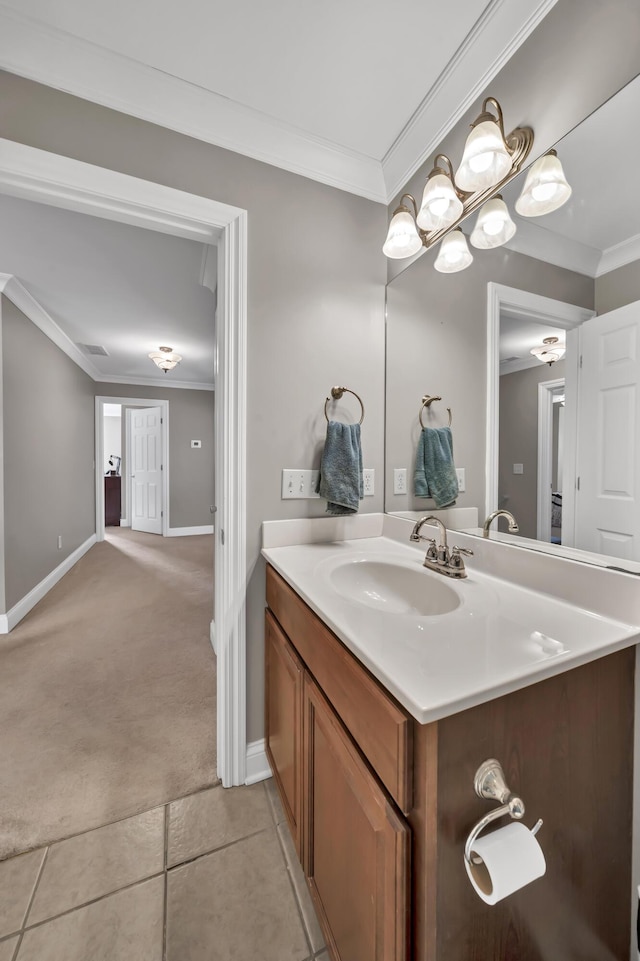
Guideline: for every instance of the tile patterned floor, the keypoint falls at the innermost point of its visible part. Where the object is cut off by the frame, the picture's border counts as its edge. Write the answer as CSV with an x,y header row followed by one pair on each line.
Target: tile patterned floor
x,y
210,877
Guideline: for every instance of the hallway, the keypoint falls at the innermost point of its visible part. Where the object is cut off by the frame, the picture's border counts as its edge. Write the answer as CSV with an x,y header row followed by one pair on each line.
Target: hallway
x,y
108,703
126,846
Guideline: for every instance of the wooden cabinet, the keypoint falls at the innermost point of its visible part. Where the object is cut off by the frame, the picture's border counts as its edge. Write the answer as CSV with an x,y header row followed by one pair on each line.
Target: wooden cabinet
x,y
356,845
283,723
380,806
112,498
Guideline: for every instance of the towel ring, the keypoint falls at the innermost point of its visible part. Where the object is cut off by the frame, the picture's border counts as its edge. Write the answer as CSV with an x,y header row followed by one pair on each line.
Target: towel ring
x,y
336,394
427,401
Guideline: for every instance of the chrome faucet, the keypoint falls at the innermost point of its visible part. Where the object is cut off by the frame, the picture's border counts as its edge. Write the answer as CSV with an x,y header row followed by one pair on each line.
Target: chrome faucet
x,y
439,558
513,524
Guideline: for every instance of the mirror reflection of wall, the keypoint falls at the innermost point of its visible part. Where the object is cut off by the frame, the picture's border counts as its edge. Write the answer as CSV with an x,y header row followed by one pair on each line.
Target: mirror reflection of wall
x,y
587,254
112,438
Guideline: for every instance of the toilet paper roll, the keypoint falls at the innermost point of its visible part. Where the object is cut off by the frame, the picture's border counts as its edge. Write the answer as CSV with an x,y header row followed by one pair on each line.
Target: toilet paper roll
x,y
510,858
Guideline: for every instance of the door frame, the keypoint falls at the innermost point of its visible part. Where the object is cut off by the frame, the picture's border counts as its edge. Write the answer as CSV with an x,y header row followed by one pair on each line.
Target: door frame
x,y
546,390
543,310
164,432
49,178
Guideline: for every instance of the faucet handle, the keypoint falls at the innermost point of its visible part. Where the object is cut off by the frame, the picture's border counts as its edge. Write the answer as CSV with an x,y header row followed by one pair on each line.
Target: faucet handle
x,y
432,550
462,550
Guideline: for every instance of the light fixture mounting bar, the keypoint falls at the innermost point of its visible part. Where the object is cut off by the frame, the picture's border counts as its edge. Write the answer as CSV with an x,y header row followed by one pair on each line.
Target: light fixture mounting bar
x,y
519,143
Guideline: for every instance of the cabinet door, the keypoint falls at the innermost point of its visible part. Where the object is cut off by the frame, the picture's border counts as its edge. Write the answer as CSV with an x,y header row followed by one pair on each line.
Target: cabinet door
x,y
356,851
283,722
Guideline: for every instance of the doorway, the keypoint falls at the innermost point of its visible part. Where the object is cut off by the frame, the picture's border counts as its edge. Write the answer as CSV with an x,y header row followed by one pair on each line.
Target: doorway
x,y
49,178
127,404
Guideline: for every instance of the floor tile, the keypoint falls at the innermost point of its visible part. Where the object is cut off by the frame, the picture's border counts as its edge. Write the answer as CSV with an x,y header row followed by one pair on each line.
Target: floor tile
x,y
208,820
94,864
274,800
7,948
302,891
122,927
236,903
17,880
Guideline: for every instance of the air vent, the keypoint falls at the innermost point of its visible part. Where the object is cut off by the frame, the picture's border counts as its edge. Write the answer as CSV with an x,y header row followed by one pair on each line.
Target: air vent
x,y
96,349
509,360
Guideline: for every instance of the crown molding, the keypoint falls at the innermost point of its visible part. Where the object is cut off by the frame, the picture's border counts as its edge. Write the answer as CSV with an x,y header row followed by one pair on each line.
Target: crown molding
x,y
55,58
536,241
11,287
619,255
495,37
152,382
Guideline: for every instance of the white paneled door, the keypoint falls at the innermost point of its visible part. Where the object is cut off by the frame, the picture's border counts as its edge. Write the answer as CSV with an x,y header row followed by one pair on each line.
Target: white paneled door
x,y
146,470
608,456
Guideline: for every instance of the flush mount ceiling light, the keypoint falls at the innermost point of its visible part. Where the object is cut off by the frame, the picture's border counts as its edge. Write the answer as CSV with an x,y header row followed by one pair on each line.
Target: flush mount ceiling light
x,y
490,160
165,359
551,351
545,188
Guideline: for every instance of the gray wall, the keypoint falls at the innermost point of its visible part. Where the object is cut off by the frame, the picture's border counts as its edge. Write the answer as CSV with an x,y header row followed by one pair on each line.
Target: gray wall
x,y
48,454
437,344
191,416
315,299
550,83
518,493
618,288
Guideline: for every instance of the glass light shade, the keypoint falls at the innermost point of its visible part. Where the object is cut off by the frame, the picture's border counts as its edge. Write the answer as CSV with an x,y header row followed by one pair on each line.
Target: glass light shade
x,y
403,239
441,206
545,188
485,161
165,360
550,352
494,225
454,254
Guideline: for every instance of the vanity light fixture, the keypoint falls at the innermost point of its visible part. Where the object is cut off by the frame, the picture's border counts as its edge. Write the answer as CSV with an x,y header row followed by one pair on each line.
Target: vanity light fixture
x,y
454,254
490,160
494,225
551,351
545,187
165,358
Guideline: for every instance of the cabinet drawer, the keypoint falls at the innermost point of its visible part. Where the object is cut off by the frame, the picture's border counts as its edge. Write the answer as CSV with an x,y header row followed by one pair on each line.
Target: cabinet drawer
x,y
382,729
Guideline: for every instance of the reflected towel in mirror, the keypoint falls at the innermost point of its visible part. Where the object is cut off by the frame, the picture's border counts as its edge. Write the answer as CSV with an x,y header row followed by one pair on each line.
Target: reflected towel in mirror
x,y
435,474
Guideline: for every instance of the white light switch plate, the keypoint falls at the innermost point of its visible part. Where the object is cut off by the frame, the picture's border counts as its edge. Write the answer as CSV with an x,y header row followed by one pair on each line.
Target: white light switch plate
x,y
299,484
462,484
368,481
518,468
400,480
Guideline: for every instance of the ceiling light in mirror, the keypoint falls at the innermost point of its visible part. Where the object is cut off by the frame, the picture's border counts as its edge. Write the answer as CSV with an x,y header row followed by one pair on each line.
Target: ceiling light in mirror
x,y
545,188
551,351
486,160
494,225
403,239
441,205
454,254
165,358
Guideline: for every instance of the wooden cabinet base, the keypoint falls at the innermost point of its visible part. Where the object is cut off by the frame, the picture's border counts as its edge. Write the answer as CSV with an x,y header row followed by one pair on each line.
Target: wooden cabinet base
x,y
390,888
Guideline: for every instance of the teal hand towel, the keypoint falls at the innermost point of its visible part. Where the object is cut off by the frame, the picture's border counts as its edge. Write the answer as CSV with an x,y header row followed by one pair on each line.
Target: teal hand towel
x,y
435,474
341,480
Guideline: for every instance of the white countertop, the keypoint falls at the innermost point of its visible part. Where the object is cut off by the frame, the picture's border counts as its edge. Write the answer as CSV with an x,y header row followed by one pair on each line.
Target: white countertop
x,y
439,664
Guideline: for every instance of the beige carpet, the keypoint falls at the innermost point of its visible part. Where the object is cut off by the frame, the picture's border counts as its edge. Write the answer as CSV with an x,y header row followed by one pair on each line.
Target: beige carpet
x,y
107,687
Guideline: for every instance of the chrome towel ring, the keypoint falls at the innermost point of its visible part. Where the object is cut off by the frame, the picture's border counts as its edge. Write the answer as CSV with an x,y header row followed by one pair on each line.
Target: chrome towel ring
x,y
336,394
427,401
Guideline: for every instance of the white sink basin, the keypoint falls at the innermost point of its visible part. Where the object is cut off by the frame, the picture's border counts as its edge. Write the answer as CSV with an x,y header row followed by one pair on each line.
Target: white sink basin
x,y
394,588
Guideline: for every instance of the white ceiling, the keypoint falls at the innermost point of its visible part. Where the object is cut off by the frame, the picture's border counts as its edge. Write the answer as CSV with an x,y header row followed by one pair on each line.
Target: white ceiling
x,y
122,287
355,94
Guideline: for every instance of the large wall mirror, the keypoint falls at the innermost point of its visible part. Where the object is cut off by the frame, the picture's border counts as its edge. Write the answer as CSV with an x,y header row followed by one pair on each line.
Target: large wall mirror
x,y
556,444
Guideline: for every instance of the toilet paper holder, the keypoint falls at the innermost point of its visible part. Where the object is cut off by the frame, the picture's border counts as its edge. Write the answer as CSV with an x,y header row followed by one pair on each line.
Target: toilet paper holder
x,y
489,782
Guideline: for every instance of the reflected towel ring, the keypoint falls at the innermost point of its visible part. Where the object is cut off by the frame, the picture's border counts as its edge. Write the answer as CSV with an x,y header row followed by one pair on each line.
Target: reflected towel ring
x,y
427,401
336,394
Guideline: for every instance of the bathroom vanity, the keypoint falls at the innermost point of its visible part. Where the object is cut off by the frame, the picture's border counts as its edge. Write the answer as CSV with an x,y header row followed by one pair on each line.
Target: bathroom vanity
x,y
377,717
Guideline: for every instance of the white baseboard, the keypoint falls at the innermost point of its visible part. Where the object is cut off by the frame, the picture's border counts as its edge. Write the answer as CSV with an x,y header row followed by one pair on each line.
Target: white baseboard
x,y
9,620
212,636
186,531
125,522
257,764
